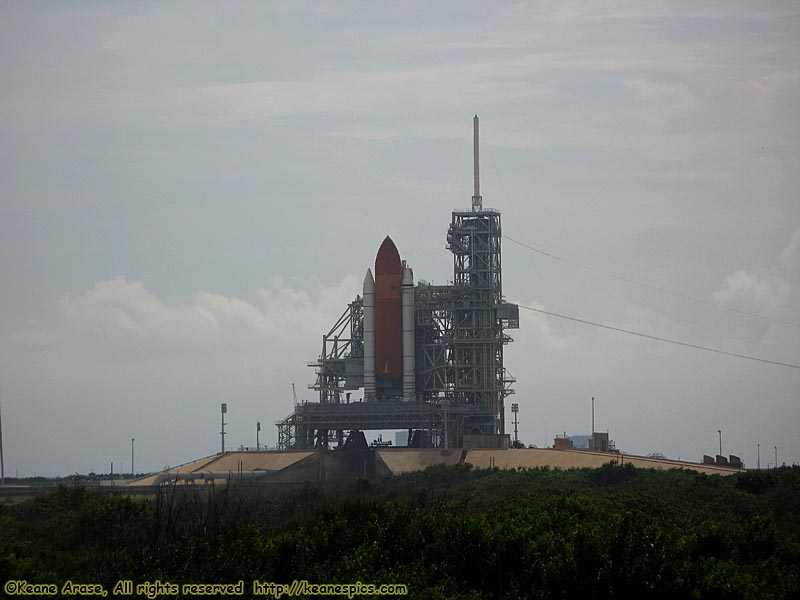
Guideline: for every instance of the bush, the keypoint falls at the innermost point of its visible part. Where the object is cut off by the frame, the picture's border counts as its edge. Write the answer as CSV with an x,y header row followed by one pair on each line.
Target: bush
x,y
448,532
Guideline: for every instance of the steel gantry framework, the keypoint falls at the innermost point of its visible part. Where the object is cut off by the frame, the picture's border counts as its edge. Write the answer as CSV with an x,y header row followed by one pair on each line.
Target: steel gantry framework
x,y
479,317
460,382
339,368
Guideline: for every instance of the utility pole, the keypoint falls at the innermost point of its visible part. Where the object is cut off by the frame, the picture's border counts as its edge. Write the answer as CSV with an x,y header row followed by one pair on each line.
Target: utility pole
x,y
758,458
2,468
515,410
224,407
719,431
258,430
776,457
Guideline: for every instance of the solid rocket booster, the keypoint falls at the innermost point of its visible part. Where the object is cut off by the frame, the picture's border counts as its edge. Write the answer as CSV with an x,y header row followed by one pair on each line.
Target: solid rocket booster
x,y
369,336
388,312
409,354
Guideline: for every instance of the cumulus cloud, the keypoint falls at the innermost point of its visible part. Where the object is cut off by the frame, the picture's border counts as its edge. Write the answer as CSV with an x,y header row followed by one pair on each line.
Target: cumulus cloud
x,y
537,329
776,82
754,292
771,291
121,317
108,359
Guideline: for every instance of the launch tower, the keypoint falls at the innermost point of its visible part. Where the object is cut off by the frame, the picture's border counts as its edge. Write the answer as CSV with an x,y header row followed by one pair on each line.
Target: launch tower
x,y
429,358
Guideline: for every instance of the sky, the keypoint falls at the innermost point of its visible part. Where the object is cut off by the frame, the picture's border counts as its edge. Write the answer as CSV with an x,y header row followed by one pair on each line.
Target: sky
x,y
191,192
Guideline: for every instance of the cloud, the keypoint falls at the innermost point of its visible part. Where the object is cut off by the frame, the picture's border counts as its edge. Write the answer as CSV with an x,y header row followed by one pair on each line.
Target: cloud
x,y
111,358
776,82
121,318
751,291
772,291
603,123
537,329
426,88
675,96
790,256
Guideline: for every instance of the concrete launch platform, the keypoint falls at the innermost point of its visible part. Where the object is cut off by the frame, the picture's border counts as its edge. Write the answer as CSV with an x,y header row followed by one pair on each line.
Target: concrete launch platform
x,y
310,466
533,458
406,460
271,464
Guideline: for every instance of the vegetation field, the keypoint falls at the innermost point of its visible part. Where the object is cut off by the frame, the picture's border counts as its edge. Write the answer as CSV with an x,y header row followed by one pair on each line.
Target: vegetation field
x,y
447,532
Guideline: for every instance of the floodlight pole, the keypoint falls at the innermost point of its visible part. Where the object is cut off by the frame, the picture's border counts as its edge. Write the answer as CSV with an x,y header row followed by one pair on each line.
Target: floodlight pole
x,y
758,457
515,410
223,410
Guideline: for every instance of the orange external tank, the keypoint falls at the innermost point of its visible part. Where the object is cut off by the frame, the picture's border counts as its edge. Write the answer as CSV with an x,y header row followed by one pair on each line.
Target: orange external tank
x,y
388,312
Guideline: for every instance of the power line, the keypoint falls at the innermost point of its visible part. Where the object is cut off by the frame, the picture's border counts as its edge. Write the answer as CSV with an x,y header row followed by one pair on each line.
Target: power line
x,y
661,339
650,287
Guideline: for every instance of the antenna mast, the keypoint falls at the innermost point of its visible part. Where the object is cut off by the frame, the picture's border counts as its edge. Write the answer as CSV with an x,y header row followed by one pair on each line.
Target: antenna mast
x,y
477,201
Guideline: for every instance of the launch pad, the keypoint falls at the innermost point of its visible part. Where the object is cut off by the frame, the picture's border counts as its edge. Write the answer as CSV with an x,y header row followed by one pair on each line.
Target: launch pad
x,y
429,358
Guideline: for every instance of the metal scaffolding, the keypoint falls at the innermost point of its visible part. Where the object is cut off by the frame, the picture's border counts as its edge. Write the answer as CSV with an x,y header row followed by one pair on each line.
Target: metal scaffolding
x,y
456,346
340,366
461,382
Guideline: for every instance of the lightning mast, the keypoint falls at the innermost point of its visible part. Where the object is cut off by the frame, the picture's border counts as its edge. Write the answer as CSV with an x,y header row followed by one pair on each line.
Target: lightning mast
x,y
477,201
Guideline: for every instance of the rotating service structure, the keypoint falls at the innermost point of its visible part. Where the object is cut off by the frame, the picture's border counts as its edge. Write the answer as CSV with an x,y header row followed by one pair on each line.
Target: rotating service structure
x,y
428,358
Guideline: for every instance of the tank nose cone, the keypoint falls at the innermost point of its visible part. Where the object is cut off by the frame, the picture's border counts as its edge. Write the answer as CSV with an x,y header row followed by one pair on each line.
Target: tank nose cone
x,y
387,262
